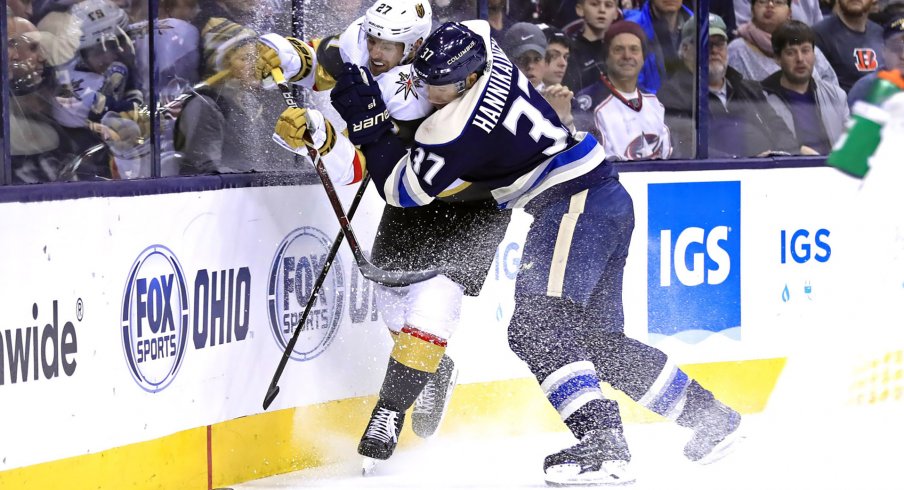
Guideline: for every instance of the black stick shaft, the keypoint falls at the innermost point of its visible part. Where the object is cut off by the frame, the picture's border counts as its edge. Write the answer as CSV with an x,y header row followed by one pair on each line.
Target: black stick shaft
x,y
315,293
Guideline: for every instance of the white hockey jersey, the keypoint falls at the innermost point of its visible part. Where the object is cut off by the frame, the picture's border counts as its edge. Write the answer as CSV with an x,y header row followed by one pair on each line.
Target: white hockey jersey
x,y
629,129
79,96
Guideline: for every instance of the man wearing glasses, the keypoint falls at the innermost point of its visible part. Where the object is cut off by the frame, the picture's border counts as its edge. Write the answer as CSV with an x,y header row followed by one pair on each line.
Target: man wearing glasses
x,y
851,42
751,53
741,122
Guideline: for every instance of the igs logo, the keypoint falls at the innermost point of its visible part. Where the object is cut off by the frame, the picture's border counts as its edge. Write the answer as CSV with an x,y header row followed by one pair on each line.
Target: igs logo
x,y
298,261
694,273
155,318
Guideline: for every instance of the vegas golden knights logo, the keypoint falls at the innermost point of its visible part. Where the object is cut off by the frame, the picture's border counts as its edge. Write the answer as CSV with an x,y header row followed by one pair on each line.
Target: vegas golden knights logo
x,y
419,8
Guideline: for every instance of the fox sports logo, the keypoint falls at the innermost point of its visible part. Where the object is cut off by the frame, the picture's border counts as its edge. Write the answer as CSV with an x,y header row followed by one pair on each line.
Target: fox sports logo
x,y
295,268
155,318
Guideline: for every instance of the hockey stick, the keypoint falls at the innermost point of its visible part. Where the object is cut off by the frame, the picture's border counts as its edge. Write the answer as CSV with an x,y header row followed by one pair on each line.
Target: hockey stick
x,y
368,270
185,95
273,389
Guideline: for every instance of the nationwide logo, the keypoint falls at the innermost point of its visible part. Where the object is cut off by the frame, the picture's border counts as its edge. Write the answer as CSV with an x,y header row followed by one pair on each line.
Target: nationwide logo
x,y
34,352
297,264
694,260
155,318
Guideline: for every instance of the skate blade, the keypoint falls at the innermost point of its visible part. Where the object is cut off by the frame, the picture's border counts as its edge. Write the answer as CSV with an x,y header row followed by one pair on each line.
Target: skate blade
x,y
726,447
453,381
612,473
368,466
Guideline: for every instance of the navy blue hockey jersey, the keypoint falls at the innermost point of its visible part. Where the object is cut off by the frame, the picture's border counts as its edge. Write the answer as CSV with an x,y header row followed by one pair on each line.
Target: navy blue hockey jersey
x,y
501,137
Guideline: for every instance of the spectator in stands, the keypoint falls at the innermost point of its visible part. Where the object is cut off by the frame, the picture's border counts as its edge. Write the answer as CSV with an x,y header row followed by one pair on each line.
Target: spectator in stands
x,y
40,148
226,127
813,109
661,21
851,42
893,32
94,62
558,53
751,53
587,57
629,123
525,44
178,46
806,11
741,122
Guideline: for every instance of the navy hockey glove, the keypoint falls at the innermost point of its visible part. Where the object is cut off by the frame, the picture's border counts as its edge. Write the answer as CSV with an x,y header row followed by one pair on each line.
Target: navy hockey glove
x,y
356,97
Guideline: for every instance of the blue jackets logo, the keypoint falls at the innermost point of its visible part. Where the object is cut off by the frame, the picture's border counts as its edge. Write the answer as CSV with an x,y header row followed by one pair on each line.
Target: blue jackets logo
x,y
297,264
694,260
155,318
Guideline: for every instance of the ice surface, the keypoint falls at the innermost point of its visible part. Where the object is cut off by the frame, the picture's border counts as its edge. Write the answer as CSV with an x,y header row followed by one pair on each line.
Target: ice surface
x,y
850,448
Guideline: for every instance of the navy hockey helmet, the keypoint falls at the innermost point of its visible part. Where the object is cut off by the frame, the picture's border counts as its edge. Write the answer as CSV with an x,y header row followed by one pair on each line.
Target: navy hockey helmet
x,y
449,55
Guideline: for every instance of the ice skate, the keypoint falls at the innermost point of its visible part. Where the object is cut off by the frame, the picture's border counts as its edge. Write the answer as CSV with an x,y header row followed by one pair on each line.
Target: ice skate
x,y
600,458
715,435
431,405
381,437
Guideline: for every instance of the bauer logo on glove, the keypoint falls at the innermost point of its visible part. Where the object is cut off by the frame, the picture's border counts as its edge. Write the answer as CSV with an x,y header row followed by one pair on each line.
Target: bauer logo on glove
x,y
357,98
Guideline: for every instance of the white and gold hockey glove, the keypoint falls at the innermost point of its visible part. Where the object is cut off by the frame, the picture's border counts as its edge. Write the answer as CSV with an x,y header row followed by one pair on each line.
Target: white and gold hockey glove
x,y
300,127
293,56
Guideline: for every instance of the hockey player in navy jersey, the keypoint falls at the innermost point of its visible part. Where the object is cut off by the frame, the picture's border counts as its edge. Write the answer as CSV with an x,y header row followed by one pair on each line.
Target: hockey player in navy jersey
x,y
423,316
494,134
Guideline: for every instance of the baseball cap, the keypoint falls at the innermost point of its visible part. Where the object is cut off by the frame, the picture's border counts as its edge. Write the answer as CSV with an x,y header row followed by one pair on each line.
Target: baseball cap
x,y
523,37
894,26
717,27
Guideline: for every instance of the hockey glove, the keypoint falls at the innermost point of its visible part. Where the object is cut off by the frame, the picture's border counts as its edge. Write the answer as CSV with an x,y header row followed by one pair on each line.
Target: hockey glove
x,y
294,56
129,143
357,98
297,128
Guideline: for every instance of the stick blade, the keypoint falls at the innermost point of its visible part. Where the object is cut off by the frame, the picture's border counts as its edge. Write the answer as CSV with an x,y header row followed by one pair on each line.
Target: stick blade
x,y
272,391
395,279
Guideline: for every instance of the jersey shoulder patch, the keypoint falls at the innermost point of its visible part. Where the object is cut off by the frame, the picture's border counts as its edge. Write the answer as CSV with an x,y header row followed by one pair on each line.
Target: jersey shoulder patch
x,y
404,94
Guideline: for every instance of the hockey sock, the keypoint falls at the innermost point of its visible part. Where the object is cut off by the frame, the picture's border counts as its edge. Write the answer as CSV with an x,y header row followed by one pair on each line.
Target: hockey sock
x,y
415,356
698,399
574,391
644,373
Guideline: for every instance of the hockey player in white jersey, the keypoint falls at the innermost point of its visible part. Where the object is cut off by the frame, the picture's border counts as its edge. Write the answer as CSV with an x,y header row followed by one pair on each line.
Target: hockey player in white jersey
x,y
93,57
494,132
423,316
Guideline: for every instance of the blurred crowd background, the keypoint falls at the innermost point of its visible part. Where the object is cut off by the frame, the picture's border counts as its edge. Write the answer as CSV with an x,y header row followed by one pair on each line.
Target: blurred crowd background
x,y
782,76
